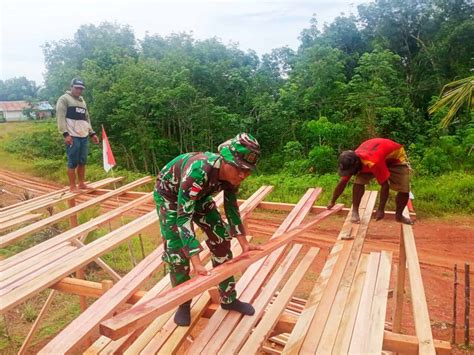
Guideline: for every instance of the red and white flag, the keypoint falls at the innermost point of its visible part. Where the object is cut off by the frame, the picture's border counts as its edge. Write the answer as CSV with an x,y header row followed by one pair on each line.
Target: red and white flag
x,y
109,160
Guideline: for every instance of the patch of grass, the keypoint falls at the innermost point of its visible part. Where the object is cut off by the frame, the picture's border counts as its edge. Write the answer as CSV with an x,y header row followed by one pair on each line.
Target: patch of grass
x,y
29,311
446,194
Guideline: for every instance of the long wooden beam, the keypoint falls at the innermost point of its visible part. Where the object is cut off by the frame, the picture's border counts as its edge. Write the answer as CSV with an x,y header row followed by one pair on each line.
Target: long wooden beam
x,y
144,314
409,344
420,307
51,201
23,232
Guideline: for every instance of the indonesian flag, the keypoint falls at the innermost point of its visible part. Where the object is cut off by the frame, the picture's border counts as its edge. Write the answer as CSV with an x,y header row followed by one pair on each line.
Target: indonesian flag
x,y
109,160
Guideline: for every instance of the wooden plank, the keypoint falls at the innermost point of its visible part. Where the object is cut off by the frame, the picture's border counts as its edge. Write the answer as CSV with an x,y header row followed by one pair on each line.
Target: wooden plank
x,y
379,305
33,200
361,326
420,307
408,344
270,318
344,332
88,322
20,220
27,208
23,232
42,279
213,336
400,286
69,235
135,318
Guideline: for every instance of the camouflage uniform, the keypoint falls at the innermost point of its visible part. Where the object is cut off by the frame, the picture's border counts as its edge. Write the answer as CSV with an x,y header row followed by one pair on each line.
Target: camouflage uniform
x,y
183,194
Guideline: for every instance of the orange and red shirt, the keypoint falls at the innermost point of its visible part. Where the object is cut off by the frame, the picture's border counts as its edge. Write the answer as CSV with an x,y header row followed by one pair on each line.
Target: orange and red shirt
x,y
377,154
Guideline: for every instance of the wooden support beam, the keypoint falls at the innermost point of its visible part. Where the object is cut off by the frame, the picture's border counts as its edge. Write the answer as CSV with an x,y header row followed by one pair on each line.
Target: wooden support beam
x,y
89,289
20,220
135,318
34,327
408,344
23,232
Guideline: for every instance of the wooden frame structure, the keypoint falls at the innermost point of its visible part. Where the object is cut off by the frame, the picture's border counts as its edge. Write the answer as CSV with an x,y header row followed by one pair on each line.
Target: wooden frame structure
x,y
350,292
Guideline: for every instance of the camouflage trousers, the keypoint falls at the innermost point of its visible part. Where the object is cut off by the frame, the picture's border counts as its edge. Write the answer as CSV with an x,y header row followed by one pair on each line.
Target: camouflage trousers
x,y
208,218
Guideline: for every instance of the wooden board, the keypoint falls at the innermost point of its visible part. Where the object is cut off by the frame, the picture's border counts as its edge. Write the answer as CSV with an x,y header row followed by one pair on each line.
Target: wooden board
x,y
420,307
20,220
142,315
23,232
266,324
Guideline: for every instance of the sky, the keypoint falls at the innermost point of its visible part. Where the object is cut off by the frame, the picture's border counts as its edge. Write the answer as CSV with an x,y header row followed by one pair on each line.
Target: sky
x,y
25,25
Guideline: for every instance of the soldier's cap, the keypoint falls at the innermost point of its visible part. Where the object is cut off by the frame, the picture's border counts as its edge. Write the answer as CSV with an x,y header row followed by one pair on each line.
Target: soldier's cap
x,y
349,163
78,83
242,151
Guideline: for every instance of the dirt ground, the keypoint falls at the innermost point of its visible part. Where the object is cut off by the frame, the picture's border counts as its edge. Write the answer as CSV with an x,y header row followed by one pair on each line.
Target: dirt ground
x,y
441,243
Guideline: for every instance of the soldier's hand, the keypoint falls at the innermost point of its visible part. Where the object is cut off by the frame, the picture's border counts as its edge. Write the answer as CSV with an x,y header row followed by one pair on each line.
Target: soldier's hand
x,y
253,247
201,270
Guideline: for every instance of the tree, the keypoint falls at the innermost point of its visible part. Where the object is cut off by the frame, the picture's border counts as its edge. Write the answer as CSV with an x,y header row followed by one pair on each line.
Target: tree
x,y
17,89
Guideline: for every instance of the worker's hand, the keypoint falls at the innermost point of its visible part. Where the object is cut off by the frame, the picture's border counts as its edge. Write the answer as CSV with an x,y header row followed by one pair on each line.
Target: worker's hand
x,y
380,214
331,205
95,139
68,140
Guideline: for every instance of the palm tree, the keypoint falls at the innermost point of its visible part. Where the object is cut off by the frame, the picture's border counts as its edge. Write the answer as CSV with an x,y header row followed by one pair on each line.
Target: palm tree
x,y
454,95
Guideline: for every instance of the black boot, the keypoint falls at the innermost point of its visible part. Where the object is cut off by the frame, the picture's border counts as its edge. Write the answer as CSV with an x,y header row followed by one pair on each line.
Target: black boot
x,y
239,306
182,316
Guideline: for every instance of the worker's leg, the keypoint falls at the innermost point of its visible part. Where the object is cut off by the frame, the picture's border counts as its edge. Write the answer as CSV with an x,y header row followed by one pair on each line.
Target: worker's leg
x,y
72,153
209,219
173,255
357,193
81,167
400,181
218,240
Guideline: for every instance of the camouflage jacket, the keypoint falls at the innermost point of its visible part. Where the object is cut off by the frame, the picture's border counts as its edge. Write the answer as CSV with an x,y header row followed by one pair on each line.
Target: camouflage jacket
x,y
192,177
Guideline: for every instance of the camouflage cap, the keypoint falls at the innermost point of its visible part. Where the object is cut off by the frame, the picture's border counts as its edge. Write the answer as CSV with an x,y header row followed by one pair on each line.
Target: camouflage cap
x,y
241,151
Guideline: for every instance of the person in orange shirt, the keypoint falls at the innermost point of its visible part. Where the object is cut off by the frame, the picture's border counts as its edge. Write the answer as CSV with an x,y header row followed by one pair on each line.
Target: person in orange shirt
x,y
383,159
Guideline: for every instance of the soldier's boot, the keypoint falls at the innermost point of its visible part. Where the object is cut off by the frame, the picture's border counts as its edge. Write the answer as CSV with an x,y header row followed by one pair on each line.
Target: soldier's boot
x,y
182,316
239,306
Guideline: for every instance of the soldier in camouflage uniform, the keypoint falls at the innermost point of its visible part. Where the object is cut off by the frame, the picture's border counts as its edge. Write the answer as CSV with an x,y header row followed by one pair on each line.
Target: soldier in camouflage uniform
x,y
183,194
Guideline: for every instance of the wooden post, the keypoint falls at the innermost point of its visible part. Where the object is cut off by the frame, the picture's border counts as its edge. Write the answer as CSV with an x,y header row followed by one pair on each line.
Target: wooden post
x,y
467,303
400,292
455,293
36,324
79,273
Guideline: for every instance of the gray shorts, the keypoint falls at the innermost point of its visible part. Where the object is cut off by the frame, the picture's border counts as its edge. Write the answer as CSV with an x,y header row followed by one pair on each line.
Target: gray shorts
x,y
77,152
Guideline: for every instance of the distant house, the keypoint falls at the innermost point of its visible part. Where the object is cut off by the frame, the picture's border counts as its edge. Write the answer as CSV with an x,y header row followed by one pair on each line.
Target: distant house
x,y
17,110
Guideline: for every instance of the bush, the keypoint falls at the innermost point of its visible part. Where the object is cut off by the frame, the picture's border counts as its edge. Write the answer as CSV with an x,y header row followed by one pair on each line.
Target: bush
x,y
322,160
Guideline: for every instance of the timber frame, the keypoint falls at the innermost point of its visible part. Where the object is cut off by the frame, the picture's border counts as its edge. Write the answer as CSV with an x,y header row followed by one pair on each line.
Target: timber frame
x,y
351,290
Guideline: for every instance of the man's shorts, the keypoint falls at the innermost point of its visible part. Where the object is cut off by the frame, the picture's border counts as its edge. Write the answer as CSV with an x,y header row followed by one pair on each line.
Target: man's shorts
x,y
77,152
399,179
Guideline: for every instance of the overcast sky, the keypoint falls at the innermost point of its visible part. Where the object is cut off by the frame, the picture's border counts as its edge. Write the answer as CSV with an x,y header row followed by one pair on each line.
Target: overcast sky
x,y
259,25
